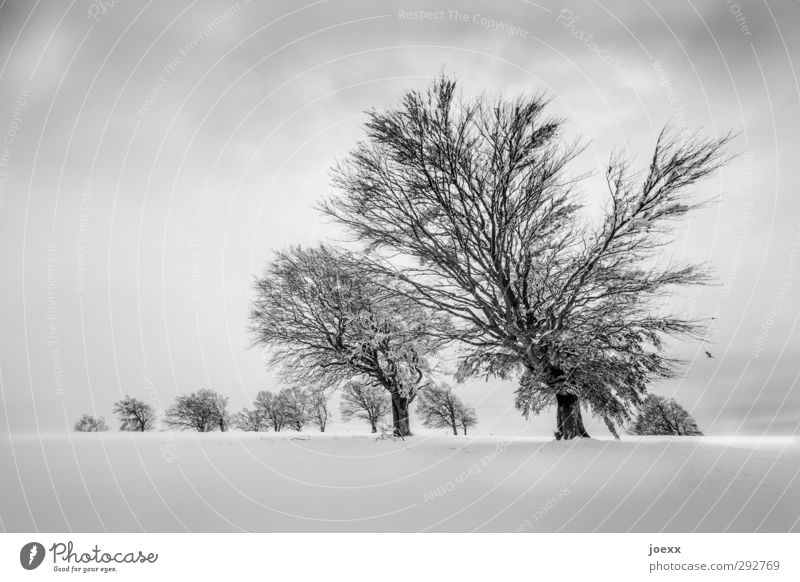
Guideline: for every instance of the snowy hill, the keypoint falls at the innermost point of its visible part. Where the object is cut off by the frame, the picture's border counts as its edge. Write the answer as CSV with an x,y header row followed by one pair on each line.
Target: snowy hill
x,y
313,482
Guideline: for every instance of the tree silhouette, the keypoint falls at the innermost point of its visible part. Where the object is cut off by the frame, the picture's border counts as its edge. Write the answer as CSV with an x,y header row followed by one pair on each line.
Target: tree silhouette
x,y
203,411
439,407
270,407
663,416
135,415
318,411
294,402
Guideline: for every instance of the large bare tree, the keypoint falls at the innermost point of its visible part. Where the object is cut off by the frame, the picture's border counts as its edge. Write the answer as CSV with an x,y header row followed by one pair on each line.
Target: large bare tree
x,y
326,320
474,208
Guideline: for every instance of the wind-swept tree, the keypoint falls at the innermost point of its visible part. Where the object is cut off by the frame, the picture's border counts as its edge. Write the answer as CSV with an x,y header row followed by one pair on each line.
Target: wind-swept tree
x,y
135,415
250,420
364,401
326,320
89,423
662,416
203,411
474,208
271,407
439,407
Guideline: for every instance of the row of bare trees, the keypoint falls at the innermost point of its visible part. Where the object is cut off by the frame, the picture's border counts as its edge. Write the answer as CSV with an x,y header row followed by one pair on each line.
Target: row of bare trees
x,y
133,414
292,408
473,235
438,407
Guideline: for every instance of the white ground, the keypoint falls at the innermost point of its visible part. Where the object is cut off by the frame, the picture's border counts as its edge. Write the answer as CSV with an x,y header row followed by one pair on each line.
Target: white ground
x,y
313,482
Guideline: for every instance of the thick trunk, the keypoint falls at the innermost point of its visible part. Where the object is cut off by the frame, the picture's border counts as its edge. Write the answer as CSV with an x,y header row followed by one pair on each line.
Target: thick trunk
x,y
400,421
374,428
455,429
569,420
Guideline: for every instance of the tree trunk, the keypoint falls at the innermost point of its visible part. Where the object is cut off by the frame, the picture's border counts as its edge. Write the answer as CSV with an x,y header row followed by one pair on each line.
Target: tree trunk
x,y
465,429
568,417
374,428
400,420
455,429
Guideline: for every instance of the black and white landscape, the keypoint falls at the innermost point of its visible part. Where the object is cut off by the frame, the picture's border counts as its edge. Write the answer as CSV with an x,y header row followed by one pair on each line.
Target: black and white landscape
x,y
342,266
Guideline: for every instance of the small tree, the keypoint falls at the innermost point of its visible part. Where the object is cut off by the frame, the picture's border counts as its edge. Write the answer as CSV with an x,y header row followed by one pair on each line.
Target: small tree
x,y
467,417
135,415
365,402
295,404
318,411
203,411
89,423
271,408
439,407
660,416
251,420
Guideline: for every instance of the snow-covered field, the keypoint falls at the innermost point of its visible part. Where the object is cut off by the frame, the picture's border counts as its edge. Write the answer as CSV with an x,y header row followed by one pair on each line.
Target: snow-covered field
x,y
313,482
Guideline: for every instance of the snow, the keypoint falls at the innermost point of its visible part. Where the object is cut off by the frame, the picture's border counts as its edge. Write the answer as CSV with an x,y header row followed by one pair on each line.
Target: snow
x,y
333,482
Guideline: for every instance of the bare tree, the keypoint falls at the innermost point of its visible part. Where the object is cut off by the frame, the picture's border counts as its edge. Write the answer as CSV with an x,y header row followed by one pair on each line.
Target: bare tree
x,y
318,412
364,401
89,423
203,411
439,407
325,320
664,416
251,420
475,210
467,417
271,408
135,415
294,402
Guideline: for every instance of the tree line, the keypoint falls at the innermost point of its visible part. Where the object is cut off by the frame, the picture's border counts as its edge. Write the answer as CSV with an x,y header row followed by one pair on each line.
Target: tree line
x,y
438,407
291,408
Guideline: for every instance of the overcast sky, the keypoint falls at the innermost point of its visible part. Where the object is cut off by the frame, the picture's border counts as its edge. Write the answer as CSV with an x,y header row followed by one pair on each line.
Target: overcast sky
x,y
154,156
